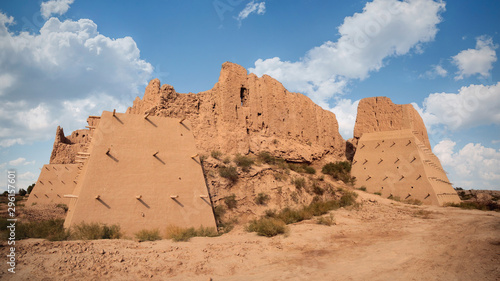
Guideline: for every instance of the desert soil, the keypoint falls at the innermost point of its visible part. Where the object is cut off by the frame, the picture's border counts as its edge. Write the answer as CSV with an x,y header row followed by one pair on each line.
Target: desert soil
x,y
381,240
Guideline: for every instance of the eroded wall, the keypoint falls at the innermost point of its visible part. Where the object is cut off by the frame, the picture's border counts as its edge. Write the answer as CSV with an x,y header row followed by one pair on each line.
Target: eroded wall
x,y
243,113
142,173
398,164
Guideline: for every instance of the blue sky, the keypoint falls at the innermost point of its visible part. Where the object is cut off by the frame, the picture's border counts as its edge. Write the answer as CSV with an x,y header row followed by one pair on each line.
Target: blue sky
x,y
62,60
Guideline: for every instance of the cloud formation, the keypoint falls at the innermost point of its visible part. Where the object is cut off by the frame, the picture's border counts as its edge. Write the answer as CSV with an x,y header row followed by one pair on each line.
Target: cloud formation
x,y
476,61
385,28
436,70
61,75
472,167
252,7
472,106
55,7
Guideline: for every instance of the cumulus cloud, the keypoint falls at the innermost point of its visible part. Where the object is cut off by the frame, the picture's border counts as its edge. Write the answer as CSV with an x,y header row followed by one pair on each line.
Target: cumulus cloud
x,y
250,8
474,105
61,75
17,162
476,61
346,110
472,167
385,28
436,70
55,7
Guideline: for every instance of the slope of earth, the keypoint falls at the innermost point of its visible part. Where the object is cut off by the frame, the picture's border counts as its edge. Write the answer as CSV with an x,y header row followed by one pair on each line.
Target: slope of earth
x,y
380,240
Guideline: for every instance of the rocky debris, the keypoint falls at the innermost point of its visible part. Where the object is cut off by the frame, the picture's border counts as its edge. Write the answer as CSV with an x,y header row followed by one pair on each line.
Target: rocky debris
x,y
243,113
378,114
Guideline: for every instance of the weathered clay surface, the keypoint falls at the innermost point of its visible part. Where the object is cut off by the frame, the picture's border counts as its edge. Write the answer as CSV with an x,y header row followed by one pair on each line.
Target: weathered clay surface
x,y
66,148
379,114
243,113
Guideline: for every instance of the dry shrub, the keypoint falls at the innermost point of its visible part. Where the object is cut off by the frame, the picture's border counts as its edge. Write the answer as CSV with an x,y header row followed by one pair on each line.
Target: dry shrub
x,y
267,227
177,233
148,235
93,231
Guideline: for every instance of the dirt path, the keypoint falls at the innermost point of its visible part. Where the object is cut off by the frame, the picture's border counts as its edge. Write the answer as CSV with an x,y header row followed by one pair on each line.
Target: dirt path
x,y
382,240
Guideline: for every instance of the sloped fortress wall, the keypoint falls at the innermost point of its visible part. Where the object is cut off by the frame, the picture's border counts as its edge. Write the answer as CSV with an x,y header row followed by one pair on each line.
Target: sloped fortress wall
x,y
141,173
396,163
55,181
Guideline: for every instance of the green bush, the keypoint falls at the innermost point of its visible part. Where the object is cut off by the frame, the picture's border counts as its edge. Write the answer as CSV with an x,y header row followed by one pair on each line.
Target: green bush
x,y
230,201
378,193
62,206
267,227
262,199
30,188
244,162
363,188
93,231
348,198
148,235
340,170
229,172
317,189
266,157
184,234
299,182
226,160
52,230
22,192
216,154
309,170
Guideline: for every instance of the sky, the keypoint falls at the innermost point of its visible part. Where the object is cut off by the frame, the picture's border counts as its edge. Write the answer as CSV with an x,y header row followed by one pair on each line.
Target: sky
x,y
63,60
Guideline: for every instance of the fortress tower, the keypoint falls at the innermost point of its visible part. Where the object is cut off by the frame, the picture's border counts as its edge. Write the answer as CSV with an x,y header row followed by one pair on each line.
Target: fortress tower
x,y
393,155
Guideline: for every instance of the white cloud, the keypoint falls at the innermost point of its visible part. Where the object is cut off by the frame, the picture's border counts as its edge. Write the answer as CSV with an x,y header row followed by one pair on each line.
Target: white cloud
x,y
385,28
55,7
472,106
345,110
251,7
61,75
472,167
17,162
476,61
436,70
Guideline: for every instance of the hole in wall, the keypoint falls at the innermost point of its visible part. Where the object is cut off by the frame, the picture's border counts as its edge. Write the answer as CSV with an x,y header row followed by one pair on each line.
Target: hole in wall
x,y
244,96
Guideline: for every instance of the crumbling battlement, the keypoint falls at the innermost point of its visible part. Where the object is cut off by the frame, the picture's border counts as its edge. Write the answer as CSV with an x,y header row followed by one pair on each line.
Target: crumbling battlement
x,y
244,113
66,148
380,114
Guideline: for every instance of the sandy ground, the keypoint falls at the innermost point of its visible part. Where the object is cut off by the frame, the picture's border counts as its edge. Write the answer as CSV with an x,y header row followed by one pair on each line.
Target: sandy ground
x,y
381,240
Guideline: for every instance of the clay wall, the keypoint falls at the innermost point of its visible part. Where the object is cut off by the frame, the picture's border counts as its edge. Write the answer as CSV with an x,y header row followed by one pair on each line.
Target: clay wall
x,y
142,173
397,163
55,181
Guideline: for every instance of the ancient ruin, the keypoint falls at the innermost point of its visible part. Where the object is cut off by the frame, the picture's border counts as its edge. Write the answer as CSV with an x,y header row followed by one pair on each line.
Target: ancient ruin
x,y
141,169
141,172
393,155
55,181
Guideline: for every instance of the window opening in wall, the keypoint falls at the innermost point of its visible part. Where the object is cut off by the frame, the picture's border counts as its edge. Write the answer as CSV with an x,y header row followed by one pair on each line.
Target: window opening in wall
x,y
244,96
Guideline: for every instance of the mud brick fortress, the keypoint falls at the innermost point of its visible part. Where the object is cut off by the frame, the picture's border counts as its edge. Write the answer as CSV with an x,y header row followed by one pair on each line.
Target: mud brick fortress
x,y
142,168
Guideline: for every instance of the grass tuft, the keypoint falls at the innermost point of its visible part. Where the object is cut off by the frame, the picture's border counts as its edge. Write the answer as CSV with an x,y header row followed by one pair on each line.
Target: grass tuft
x,y
184,234
148,235
93,231
262,199
244,162
268,227
229,172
